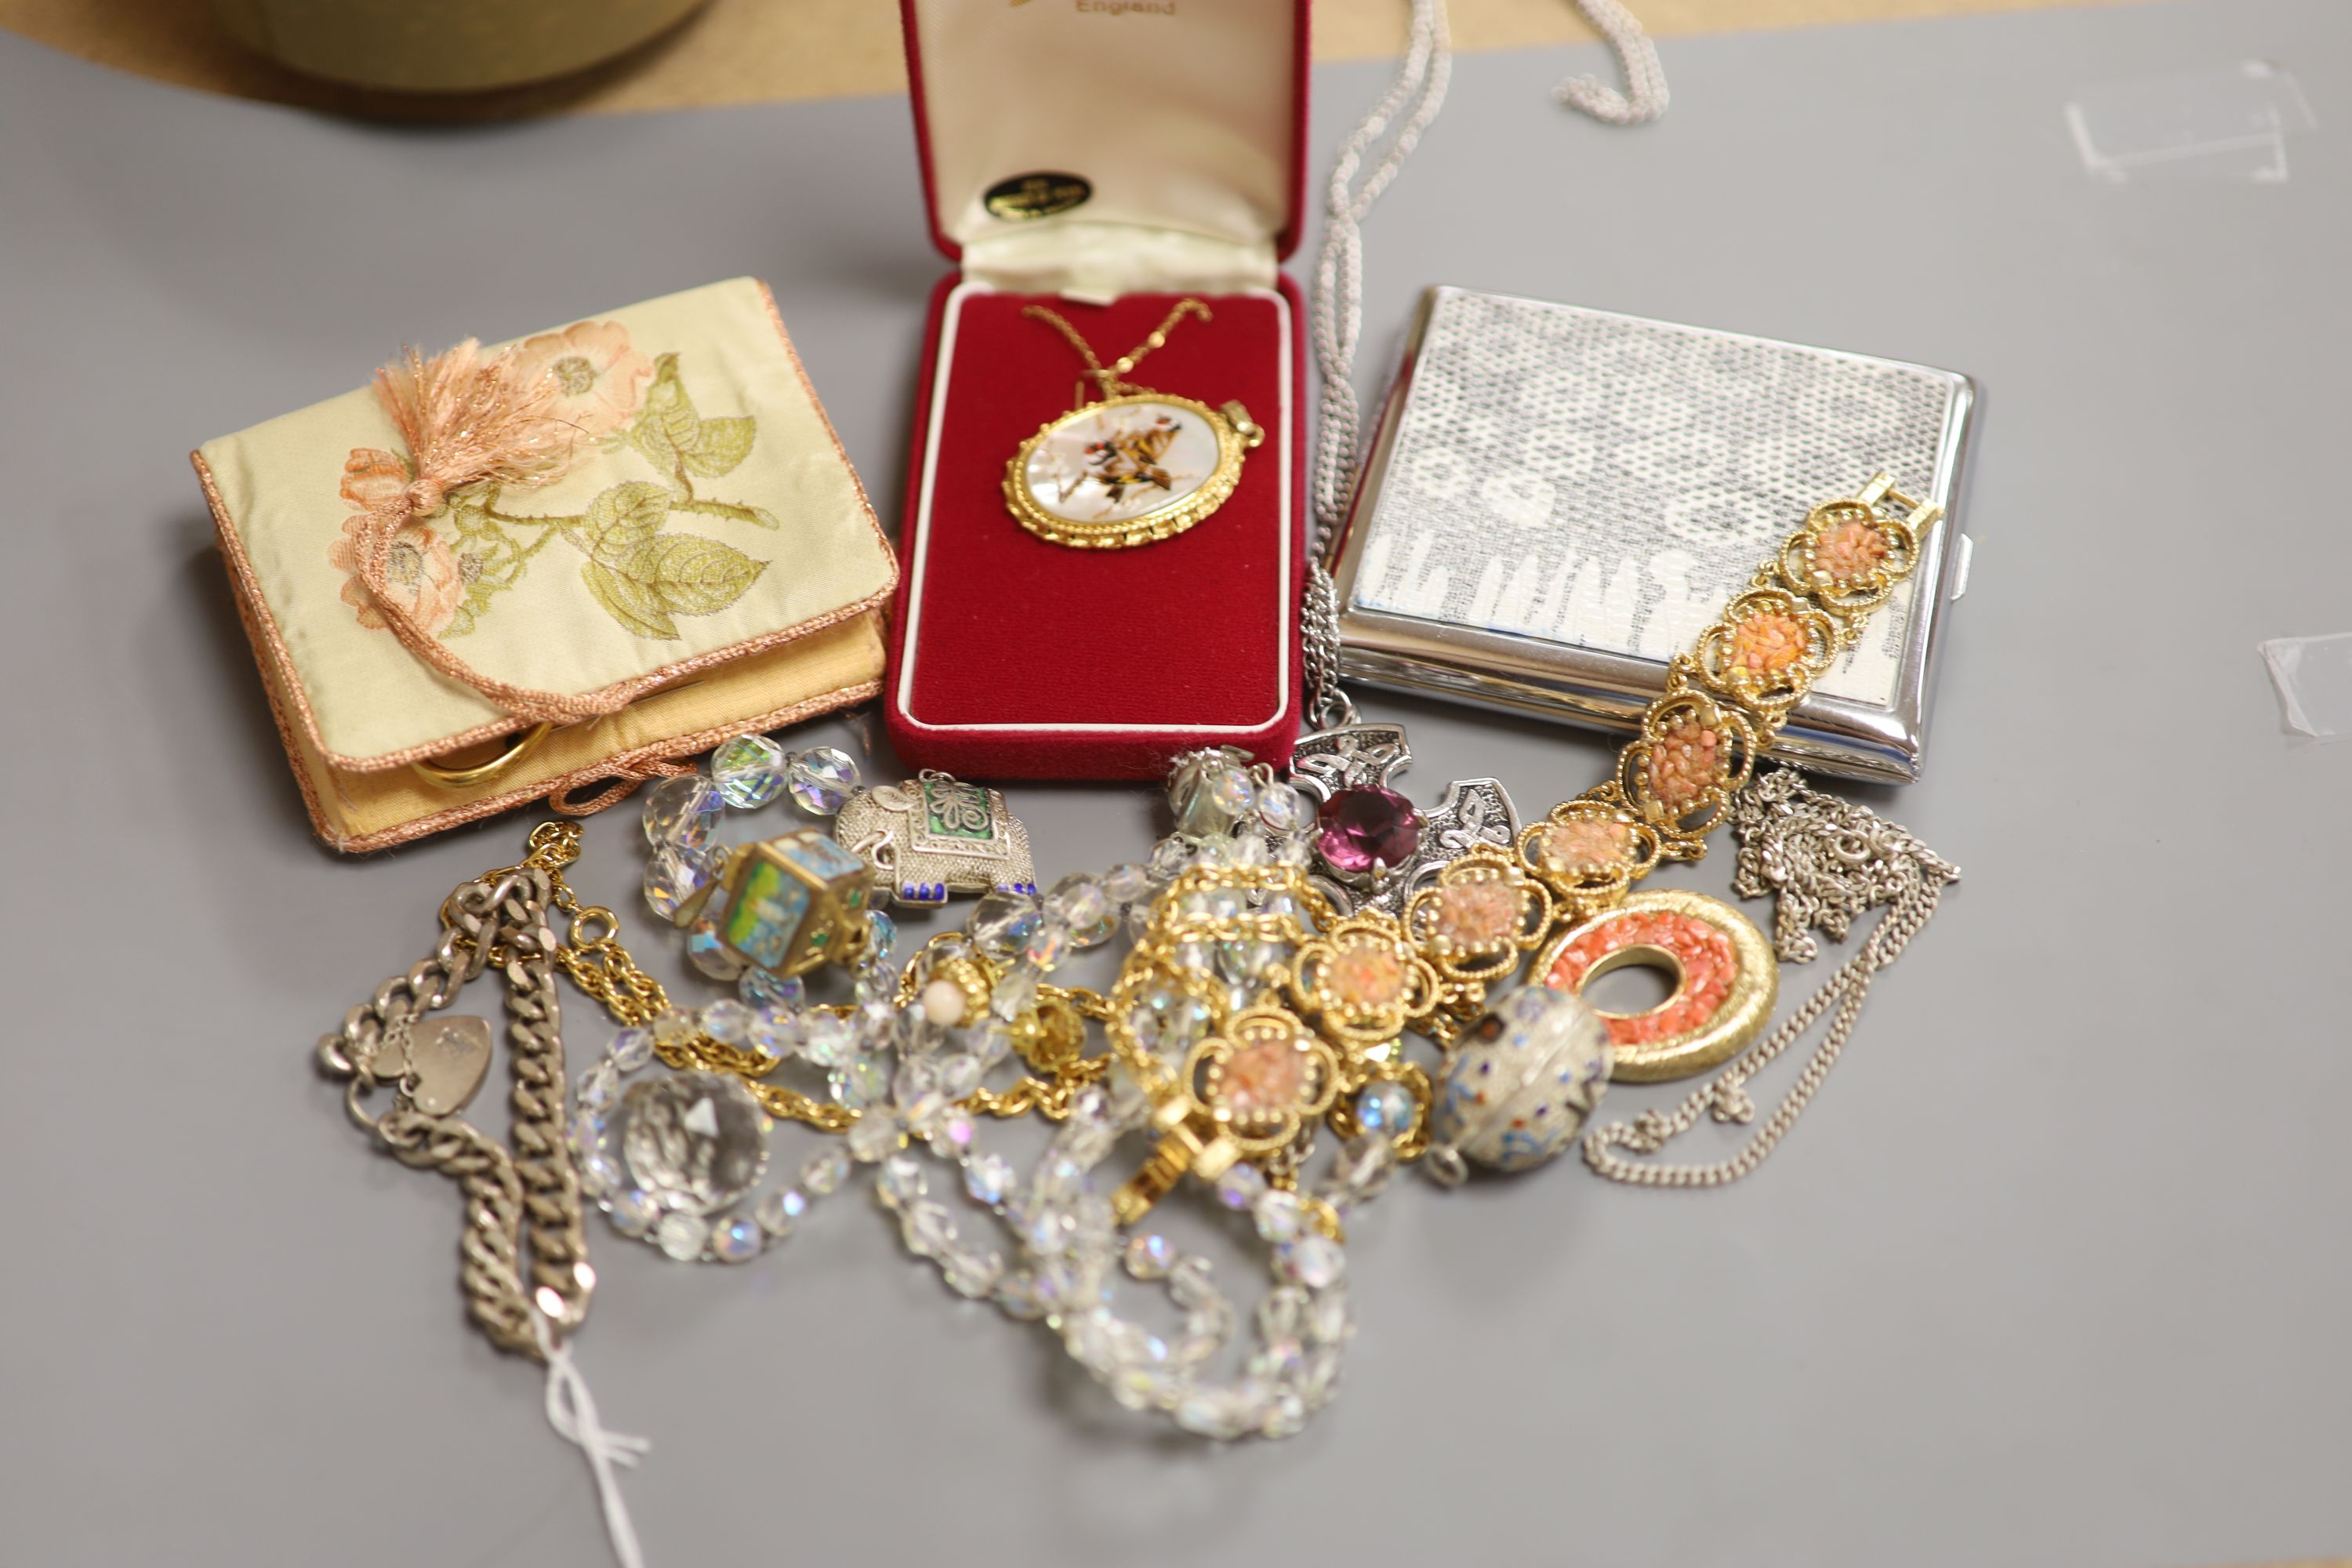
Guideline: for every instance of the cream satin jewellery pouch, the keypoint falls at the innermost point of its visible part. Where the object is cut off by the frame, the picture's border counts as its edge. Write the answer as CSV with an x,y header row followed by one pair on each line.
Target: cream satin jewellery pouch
x,y
551,569
1557,498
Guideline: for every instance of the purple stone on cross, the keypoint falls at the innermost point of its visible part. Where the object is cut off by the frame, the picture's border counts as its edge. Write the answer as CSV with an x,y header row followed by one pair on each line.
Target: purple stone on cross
x,y
1374,847
1367,829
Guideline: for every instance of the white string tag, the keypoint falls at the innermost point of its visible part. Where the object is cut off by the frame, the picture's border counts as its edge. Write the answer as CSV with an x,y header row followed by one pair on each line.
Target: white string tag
x,y
571,1411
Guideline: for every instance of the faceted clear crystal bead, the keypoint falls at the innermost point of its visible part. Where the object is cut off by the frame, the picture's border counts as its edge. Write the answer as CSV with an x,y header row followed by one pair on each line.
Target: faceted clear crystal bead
x,y
825,1170
823,780
951,1134
989,1178
1001,925
696,1139
1385,1106
682,1234
860,1082
925,1113
883,935
916,1077
749,771
1277,1360
779,1210
682,811
708,953
1286,1417
1313,1259
774,1032
1083,1143
1084,905
675,874
872,1136
1016,993
1208,1324
1169,857
766,988
826,1039
901,1181
1018,1295
632,1048
1210,790
635,1211
958,1073
1321,1380
727,1021
990,1040
738,1241
927,1228
1048,944
1247,849
1278,1214
1282,1314
598,1085
1362,1169
1141,1387
1212,1413
1240,1187
1283,810
874,1024
970,1273
1126,883
599,1173
1191,1283
1328,1318
1131,1103
1150,1256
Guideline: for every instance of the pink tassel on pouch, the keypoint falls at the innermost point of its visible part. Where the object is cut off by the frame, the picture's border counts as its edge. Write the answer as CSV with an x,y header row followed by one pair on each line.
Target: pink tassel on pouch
x,y
466,417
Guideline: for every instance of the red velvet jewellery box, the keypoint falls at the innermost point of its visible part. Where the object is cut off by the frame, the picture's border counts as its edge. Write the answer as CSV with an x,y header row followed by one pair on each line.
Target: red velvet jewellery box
x,y
1107,159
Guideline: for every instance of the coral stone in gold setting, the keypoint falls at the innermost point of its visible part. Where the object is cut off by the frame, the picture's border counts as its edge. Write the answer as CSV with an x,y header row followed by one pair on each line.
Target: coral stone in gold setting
x,y
1265,1078
1478,917
1365,976
1584,846
1768,643
1686,761
1851,550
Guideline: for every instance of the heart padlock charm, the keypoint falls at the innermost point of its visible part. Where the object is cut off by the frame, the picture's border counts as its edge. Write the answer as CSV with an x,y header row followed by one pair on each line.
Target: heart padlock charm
x,y
447,1059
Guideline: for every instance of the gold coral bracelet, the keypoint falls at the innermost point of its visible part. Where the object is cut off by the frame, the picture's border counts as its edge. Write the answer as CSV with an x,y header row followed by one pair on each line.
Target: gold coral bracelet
x,y
1318,1027
1567,890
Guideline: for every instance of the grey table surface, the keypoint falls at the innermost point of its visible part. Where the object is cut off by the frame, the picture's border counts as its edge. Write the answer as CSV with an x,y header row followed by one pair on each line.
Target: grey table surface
x,y
2055,1271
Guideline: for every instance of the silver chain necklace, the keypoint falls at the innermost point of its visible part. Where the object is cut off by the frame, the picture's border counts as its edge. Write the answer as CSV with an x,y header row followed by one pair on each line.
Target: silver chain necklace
x,y
1369,163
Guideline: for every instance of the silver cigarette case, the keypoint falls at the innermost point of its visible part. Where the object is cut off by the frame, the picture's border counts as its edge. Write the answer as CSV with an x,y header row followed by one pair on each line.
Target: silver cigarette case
x,y
1559,499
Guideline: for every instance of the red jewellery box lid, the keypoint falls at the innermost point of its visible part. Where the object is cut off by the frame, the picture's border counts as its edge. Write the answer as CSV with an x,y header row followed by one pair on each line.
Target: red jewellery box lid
x,y
1184,117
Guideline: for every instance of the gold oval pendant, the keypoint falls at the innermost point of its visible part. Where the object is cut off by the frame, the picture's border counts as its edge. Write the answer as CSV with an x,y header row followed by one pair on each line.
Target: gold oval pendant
x,y
1725,980
1127,471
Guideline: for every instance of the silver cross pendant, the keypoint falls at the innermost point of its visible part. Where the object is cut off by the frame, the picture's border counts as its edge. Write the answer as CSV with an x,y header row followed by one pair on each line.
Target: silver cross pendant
x,y
1372,846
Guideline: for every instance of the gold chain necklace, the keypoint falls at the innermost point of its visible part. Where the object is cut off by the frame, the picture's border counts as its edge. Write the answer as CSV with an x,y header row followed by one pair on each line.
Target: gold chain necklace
x,y
1129,466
